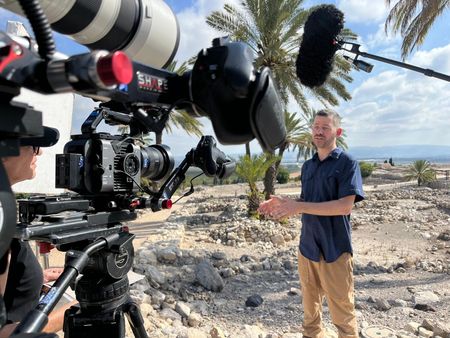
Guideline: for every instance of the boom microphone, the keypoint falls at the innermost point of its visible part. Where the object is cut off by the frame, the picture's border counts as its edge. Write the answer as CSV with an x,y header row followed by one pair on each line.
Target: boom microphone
x,y
317,49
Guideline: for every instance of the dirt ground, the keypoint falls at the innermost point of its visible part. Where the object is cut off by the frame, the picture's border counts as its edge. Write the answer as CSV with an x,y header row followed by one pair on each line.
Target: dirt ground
x,y
382,244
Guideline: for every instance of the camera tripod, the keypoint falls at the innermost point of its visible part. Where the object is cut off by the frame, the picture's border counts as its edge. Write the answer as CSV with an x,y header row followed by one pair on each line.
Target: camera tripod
x,y
104,255
103,302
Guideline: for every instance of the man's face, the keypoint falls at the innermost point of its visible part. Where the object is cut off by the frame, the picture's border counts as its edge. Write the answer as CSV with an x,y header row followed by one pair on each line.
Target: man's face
x,y
22,167
325,132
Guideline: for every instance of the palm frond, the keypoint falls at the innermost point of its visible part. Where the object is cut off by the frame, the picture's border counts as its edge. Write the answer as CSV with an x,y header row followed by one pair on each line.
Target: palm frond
x,y
413,19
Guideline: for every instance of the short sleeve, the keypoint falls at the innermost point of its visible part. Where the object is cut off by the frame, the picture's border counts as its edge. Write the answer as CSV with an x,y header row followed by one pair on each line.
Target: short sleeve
x,y
350,182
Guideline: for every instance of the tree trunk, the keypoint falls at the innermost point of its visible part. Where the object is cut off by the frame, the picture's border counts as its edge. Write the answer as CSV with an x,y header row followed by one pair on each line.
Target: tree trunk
x,y
280,155
269,181
253,202
271,175
247,149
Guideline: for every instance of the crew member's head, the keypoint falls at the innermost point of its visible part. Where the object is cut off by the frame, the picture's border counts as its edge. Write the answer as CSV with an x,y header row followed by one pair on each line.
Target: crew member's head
x,y
23,167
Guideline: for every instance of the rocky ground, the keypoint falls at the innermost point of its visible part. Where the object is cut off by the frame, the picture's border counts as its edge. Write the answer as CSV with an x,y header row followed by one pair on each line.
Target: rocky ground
x,y
210,271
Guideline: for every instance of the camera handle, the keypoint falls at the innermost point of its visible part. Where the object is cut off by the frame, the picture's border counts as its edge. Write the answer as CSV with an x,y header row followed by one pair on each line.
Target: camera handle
x,y
205,156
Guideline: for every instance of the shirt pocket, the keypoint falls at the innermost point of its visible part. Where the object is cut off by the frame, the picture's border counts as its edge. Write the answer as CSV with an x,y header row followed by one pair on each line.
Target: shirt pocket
x,y
307,185
332,185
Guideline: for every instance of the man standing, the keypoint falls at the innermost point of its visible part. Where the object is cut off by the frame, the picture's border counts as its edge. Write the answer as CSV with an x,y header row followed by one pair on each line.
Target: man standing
x,y
331,184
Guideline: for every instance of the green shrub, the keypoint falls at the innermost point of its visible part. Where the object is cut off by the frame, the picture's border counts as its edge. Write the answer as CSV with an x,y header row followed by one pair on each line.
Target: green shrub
x,y
283,175
22,195
366,169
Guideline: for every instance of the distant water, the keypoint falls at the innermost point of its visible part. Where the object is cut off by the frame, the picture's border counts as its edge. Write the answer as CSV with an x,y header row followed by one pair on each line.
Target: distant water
x,y
400,160
407,160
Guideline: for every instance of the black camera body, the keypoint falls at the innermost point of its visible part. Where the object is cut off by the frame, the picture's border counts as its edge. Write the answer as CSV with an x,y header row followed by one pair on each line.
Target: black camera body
x,y
104,163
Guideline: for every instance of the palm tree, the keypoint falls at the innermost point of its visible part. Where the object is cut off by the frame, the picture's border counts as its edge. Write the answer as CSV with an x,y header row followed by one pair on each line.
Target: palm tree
x,y
304,142
413,19
252,169
179,118
271,29
295,128
421,171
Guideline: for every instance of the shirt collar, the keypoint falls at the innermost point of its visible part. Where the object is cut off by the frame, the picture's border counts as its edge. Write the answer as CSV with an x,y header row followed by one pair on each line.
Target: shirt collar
x,y
335,153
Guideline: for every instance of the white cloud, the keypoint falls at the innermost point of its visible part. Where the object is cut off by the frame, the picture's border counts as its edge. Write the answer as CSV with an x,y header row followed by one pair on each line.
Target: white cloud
x,y
195,33
390,42
363,11
437,59
401,106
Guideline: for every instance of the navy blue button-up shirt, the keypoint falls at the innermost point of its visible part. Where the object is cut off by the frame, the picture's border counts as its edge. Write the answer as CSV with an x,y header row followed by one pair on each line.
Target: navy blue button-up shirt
x,y
335,177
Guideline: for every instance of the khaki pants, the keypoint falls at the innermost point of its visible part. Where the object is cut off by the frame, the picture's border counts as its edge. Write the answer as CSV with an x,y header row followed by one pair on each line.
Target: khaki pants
x,y
334,281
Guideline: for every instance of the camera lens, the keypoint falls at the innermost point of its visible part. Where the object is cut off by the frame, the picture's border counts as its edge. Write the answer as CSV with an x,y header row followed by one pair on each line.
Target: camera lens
x,y
147,30
131,164
156,162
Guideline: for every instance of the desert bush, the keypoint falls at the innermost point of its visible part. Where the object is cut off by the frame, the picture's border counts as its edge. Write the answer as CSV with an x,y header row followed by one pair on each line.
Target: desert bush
x,y
283,175
366,169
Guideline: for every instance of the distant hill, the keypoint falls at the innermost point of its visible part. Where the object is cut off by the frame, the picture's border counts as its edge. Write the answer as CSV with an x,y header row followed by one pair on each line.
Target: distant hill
x,y
403,153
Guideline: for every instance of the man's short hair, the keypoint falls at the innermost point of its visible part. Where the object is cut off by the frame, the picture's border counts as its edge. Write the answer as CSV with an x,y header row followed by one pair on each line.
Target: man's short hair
x,y
330,113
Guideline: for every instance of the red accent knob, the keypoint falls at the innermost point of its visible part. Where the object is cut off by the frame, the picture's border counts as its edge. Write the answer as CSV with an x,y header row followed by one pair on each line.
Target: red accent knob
x,y
115,68
135,204
166,204
45,248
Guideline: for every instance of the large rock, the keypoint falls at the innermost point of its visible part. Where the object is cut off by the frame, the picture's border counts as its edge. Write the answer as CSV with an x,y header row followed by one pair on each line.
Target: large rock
x,y
216,332
382,304
183,309
194,319
208,277
251,331
168,255
425,298
254,301
154,276
441,329
157,297
277,240
168,313
146,256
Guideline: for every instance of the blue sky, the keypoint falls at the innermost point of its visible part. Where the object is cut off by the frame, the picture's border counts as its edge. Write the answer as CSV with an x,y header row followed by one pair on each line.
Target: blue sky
x,y
390,106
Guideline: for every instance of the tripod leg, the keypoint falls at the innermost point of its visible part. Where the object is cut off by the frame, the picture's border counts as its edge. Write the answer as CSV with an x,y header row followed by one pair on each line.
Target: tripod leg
x,y
135,319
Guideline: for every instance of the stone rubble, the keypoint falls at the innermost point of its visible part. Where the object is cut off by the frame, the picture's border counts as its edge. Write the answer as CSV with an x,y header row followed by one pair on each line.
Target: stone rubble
x,y
181,294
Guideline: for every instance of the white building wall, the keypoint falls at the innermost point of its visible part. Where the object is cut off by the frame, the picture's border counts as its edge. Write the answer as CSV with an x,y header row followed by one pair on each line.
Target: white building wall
x,y
57,113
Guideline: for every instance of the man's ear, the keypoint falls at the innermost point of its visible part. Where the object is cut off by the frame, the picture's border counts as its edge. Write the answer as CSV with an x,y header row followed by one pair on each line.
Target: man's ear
x,y
339,132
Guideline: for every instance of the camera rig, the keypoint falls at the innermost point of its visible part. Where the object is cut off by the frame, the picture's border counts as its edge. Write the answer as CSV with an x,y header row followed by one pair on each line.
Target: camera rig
x,y
105,170
241,101
100,246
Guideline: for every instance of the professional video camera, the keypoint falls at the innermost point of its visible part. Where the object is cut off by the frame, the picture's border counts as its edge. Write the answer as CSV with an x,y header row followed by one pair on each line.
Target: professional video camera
x,y
105,170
